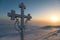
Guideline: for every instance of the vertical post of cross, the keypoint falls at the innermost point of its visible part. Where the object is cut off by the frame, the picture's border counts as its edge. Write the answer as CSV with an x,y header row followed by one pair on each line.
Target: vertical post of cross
x,y
14,16
22,6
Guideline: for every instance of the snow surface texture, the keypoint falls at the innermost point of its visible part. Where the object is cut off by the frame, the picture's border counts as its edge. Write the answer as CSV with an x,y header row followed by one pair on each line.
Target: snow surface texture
x,y
8,32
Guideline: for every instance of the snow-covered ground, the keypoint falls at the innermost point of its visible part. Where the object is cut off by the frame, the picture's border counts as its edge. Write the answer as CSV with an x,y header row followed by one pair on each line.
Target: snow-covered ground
x,y
31,33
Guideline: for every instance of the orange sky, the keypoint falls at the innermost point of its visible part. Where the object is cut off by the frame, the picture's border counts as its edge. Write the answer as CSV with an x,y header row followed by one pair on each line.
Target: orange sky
x,y
39,21
44,21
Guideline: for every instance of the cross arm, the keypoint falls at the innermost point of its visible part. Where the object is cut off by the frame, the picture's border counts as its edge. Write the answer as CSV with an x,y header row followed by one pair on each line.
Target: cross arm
x,y
9,14
28,17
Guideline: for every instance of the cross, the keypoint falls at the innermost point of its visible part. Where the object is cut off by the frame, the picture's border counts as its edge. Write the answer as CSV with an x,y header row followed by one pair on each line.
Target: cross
x,y
13,16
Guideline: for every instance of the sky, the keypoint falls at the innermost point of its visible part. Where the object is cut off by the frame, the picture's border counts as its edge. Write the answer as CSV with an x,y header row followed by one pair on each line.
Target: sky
x,y
42,11
44,14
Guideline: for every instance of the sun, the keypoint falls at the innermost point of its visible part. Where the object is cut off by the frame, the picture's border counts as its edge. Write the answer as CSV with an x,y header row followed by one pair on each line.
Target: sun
x,y
54,19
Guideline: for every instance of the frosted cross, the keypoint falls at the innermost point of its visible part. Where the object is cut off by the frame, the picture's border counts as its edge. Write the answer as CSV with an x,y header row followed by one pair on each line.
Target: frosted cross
x,y
13,16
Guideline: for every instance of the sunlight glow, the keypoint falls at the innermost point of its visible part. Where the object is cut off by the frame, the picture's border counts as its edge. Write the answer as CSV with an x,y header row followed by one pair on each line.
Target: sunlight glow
x,y
54,19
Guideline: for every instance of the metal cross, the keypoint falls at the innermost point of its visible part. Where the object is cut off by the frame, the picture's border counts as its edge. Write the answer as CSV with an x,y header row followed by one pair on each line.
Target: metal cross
x,y
13,16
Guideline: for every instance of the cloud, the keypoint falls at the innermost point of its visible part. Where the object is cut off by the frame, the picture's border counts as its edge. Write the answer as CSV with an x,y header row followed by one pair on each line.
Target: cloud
x,y
8,31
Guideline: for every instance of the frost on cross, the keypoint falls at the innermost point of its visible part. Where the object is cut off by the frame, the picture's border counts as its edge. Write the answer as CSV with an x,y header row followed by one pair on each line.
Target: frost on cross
x,y
14,16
